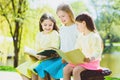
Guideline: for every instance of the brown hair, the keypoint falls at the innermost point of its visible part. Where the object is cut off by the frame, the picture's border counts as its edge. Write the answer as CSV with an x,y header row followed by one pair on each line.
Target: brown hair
x,y
87,18
89,23
50,17
66,8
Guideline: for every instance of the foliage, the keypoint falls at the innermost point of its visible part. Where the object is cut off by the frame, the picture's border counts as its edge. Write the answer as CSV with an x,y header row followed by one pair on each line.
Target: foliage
x,y
111,78
7,68
78,7
107,22
110,49
14,13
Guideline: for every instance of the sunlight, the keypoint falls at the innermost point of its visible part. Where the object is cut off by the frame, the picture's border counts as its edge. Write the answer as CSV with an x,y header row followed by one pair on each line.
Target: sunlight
x,y
34,4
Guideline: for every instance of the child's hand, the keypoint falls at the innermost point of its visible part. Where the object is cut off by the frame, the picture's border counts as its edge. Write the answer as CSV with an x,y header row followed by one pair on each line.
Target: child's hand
x,y
63,61
86,60
31,57
55,55
92,58
40,57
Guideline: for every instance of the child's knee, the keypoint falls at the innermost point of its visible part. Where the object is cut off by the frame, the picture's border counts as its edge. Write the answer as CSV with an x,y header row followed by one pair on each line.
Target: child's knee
x,y
76,71
67,70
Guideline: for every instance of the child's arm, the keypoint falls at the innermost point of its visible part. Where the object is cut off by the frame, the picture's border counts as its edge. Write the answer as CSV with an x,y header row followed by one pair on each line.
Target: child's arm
x,y
97,48
55,40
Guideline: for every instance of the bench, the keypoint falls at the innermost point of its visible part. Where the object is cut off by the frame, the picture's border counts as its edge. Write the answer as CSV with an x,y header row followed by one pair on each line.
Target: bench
x,y
9,56
4,58
95,74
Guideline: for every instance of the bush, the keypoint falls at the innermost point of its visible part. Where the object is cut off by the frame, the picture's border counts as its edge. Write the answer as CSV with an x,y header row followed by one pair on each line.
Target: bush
x,y
110,49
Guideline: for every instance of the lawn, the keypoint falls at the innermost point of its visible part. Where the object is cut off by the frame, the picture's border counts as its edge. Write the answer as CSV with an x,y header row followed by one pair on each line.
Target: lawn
x,y
111,78
7,68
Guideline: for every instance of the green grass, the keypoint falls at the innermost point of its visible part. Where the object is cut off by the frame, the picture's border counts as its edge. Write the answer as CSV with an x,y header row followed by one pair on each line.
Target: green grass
x,y
111,78
7,68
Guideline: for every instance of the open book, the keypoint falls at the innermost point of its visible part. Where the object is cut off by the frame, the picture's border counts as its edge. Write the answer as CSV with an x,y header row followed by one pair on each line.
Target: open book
x,y
73,56
30,51
48,52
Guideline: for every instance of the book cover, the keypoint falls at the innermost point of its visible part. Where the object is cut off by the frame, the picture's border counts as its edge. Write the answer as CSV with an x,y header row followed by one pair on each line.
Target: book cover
x,y
73,56
48,53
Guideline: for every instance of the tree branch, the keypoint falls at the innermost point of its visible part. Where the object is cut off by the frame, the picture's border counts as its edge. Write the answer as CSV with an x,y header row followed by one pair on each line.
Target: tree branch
x,y
4,14
13,6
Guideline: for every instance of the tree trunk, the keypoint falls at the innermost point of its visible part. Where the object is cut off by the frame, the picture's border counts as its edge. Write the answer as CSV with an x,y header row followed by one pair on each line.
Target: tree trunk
x,y
16,43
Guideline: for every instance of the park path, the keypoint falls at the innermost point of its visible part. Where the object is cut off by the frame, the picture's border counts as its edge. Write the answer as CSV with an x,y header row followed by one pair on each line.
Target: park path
x,y
4,75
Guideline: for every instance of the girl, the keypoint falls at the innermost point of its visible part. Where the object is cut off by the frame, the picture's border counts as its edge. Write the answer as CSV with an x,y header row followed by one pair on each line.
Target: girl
x,y
47,37
68,35
90,43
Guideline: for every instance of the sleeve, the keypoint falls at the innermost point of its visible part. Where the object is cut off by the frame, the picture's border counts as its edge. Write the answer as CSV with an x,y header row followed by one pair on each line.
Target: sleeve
x,y
77,44
55,40
37,42
96,47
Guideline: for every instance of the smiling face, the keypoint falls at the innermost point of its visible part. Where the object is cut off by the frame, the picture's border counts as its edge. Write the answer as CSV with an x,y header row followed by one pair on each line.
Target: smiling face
x,y
47,26
64,17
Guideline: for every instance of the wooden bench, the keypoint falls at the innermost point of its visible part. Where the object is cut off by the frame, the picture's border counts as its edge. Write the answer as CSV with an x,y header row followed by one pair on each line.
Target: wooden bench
x,y
95,74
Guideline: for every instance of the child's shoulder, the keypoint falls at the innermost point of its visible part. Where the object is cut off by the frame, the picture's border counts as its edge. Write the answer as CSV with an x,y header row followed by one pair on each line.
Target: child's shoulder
x,y
54,32
73,26
95,36
39,33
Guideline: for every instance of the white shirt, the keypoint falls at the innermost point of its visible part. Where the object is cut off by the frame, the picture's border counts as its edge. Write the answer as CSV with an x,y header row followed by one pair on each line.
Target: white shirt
x,y
68,35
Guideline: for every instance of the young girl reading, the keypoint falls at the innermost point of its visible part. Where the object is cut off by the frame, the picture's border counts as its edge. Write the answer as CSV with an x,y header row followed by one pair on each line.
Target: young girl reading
x,y
68,34
90,44
47,37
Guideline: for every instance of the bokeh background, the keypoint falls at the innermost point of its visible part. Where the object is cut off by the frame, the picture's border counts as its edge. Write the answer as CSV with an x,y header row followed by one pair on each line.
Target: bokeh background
x,y
19,23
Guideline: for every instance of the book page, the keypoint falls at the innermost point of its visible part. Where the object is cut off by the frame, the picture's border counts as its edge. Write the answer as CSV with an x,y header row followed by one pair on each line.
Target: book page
x,y
30,51
47,52
73,56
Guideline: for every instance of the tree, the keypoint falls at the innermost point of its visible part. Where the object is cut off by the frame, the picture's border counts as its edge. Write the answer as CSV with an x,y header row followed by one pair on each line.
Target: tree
x,y
108,14
14,13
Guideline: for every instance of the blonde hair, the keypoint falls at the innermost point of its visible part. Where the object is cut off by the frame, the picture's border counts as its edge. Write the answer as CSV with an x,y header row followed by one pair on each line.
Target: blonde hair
x,y
66,8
